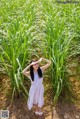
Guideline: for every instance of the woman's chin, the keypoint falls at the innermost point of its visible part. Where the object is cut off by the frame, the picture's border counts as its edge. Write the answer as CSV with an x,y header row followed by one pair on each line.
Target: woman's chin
x,y
36,69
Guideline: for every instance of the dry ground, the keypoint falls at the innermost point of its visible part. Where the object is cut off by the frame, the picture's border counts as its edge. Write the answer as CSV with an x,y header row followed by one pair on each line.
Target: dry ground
x,y
18,109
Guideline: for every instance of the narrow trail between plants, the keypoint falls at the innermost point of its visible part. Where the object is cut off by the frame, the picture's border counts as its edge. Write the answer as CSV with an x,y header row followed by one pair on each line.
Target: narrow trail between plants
x,y
38,33
18,109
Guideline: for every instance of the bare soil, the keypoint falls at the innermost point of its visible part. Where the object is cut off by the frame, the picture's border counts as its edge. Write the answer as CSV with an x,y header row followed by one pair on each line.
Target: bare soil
x,y
18,108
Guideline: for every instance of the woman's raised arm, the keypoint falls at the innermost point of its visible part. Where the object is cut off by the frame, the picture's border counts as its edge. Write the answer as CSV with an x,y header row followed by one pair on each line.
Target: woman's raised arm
x,y
47,65
27,73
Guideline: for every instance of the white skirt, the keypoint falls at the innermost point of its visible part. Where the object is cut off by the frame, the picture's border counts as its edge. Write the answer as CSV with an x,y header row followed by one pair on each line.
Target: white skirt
x,y
36,95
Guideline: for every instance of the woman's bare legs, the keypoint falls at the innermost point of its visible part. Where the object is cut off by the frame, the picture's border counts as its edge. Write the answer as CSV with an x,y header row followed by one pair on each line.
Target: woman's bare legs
x,y
39,109
36,107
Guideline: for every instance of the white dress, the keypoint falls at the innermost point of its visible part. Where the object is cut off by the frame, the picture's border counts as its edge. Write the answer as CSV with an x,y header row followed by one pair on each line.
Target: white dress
x,y
36,92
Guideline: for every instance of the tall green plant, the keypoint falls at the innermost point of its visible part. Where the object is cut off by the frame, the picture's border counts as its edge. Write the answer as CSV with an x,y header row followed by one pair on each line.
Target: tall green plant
x,y
59,34
15,41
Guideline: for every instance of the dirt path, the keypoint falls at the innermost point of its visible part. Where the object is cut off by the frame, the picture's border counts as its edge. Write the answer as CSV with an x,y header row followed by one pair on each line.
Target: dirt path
x,y
18,109
66,109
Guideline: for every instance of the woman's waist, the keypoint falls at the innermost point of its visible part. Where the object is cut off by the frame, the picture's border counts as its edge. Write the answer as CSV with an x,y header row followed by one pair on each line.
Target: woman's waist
x,y
37,82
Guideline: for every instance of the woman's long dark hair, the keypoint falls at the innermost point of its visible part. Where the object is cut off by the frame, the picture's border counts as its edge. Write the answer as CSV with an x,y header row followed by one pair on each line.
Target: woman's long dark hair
x,y
32,73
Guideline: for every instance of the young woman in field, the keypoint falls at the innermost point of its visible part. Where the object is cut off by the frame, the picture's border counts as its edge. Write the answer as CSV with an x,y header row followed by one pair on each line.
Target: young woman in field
x,y
36,92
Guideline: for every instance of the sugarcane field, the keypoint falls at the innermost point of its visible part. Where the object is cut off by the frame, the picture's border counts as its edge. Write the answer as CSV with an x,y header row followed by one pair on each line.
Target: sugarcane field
x,y
39,59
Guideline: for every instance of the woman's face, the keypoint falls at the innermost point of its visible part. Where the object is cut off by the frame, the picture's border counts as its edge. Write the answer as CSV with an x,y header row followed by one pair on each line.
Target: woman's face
x,y
36,66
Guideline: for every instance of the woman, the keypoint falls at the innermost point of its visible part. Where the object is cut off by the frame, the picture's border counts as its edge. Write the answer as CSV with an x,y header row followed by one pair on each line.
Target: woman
x,y
36,91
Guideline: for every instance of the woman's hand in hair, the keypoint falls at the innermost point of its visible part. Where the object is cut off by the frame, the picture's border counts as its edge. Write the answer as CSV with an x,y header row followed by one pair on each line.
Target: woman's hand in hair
x,y
35,62
32,63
